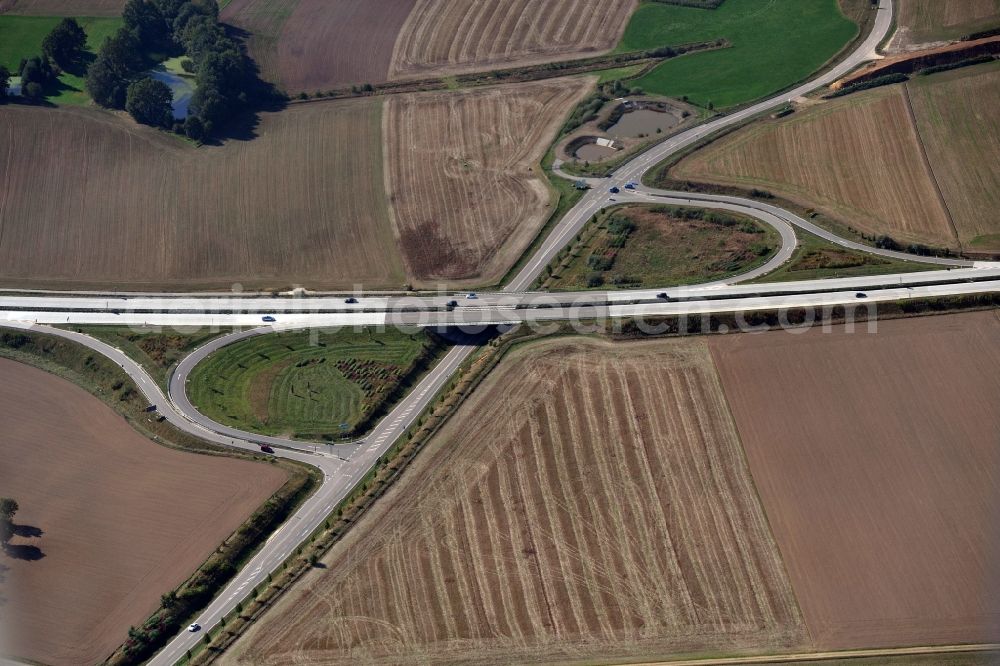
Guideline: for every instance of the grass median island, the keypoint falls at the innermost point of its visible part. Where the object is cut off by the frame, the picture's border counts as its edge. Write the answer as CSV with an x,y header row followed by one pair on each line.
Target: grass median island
x,y
774,44
21,37
309,385
654,246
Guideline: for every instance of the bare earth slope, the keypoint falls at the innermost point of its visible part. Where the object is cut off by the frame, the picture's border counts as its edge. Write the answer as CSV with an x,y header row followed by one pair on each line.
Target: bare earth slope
x,y
466,196
877,458
90,199
589,501
320,44
452,36
859,158
120,520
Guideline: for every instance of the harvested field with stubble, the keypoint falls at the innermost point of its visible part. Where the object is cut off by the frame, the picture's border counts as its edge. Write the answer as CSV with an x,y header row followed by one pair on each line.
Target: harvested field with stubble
x,y
922,21
108,520
462,176
589,501
90,199
320,44
956,116
62,7
859,159
877,459
455,36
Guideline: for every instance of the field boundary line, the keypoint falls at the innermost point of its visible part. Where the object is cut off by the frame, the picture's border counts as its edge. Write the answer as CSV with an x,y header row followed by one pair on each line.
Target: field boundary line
x,y
929,166
826,656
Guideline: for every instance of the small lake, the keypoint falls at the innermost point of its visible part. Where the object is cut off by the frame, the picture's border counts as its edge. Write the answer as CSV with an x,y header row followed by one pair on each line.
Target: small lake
x,y
642,121
592,152
182,88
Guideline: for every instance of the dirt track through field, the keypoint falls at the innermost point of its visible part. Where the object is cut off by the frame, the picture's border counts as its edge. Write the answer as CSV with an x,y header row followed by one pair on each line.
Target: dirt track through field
x,y
120,520
90,199
589,501
466,196
451,36
877,458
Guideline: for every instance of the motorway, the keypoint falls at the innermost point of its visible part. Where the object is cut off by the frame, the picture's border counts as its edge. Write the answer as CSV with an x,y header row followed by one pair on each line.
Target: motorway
x,y
344,465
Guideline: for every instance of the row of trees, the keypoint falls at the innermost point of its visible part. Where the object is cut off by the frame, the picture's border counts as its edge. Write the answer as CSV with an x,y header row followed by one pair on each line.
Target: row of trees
x,y
226,80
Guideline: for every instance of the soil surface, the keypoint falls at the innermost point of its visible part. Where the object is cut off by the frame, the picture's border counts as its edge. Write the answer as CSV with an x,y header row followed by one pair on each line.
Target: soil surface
x,y
108,520
877,458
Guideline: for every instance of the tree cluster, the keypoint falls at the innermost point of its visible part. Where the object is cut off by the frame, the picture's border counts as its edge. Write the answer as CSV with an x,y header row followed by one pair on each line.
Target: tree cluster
x,y
152,29
8,507
36,73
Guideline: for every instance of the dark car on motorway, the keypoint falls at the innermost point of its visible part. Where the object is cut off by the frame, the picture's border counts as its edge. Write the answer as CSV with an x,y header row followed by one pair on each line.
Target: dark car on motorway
x,y
266,449
351,300
268,319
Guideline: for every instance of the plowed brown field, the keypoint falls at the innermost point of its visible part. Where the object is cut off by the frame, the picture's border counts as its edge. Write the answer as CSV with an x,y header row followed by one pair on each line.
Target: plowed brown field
x,y
877,458
452,36
589,501
922,21
108,521
320,44
461,174
959,124
858,158
90,199
62,7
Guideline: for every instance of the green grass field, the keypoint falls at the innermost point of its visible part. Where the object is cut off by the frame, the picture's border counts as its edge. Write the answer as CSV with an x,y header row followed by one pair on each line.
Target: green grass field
x,y
775,43
661,250
21,37
816,258
287,384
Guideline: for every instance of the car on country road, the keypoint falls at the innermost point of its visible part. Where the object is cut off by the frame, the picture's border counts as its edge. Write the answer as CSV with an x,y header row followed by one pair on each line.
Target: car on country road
x,y
193,627
268,318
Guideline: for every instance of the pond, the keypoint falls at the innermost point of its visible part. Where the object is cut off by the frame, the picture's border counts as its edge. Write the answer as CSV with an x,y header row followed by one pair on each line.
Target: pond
x,y
642,121
181,86
592,152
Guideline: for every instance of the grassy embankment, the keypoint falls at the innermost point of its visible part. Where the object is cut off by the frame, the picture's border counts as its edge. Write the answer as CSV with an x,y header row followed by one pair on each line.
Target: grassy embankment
x,y
646,247
21,37
104,379
156,351
774,44
816,258
307,387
